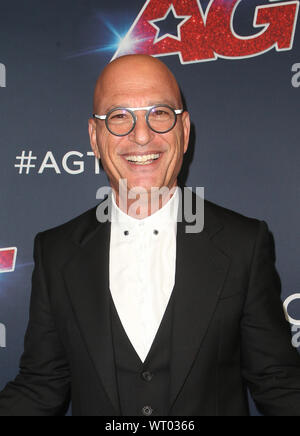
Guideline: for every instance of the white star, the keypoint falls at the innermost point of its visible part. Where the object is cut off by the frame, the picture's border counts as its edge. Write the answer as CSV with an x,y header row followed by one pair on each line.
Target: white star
x,y
185,18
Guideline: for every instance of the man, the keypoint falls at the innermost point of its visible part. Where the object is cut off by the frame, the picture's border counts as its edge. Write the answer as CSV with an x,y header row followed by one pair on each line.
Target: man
x,y
136,316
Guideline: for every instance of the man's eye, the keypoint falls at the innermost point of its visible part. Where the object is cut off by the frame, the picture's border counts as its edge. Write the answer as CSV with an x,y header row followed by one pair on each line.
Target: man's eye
x,y
160,112
118,116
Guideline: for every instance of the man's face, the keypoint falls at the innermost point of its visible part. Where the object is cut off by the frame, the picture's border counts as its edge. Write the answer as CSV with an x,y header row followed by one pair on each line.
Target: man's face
x,y
140,85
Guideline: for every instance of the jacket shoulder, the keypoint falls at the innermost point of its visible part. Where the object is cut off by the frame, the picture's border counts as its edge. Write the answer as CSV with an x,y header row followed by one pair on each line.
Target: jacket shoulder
x,y
76,228
235,233
59,243
229,217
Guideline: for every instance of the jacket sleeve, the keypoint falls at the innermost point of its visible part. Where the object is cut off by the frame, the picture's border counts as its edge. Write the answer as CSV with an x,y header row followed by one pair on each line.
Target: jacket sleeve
x,y
270,365
42,387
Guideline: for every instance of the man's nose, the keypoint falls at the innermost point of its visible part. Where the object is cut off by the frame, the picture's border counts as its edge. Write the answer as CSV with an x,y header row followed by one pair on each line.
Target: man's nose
x,y
142,134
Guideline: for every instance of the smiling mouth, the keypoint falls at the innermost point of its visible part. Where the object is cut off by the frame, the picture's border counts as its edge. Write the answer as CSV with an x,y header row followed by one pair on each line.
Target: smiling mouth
x,y
143,160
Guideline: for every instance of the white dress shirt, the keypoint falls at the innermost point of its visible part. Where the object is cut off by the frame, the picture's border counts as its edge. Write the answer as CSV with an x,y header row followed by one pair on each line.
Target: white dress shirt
x,y
142,270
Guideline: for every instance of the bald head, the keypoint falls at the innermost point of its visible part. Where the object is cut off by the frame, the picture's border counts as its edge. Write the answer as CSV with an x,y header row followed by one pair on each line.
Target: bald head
x,y
135,78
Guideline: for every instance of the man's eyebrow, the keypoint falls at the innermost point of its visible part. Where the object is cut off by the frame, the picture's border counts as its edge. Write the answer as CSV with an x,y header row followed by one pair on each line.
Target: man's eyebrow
x,y
114,106
151,103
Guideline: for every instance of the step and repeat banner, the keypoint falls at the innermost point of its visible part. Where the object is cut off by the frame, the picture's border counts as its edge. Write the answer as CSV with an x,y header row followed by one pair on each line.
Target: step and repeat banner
x,y
238,64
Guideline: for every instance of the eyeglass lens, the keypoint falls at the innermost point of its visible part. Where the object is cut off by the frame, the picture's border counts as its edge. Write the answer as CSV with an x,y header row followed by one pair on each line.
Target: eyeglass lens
x,y
160,119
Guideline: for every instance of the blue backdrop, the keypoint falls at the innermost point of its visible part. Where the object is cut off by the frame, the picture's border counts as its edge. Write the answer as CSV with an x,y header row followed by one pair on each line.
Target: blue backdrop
x,y
242,88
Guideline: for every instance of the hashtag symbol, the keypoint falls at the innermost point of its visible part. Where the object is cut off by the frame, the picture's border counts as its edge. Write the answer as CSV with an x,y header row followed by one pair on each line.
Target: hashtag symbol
x,y
25,162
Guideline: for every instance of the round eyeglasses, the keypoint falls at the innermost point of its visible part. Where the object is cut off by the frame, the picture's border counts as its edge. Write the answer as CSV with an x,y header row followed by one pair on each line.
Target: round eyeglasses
x,y
121,121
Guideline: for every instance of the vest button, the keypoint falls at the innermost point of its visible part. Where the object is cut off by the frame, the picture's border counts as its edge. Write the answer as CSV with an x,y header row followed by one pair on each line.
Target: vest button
x,y
147,376
147,411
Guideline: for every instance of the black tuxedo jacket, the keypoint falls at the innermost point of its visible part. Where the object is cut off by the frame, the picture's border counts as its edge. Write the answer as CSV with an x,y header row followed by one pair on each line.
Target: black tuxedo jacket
x,y
229,330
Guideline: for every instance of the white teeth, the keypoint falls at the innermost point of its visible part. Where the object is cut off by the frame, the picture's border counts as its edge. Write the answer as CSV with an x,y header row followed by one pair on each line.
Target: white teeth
x,y
143,159
144,163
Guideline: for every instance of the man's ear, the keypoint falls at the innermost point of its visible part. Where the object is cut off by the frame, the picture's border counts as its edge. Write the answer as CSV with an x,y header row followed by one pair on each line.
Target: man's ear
x,y
186,129
93,137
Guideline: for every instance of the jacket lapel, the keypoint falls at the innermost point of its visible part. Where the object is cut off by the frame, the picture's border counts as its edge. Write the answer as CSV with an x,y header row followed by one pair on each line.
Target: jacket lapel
x,y
87,282
201,269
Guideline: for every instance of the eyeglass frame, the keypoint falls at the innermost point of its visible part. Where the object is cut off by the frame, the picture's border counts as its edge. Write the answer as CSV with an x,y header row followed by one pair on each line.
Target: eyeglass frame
x,y
132,110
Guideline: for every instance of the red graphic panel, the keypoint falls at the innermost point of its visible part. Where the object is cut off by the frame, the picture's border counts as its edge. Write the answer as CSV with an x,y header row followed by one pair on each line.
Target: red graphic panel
x,y
276,20
207,36
192,44
7,259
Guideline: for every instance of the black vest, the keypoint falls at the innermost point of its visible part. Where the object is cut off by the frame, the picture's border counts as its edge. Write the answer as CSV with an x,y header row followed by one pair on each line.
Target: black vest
x,y
143,387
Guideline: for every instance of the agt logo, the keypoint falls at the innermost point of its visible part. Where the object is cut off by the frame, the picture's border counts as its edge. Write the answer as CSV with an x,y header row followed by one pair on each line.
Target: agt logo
x,y
165,27
2,76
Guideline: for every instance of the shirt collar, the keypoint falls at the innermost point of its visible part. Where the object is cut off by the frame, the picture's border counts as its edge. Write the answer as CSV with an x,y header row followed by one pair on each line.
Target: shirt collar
x,y
161,219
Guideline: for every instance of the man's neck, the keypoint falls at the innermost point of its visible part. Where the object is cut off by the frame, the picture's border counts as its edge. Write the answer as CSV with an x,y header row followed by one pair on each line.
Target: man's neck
x,y
144,204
